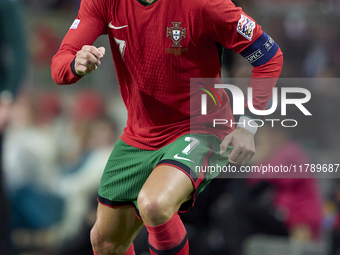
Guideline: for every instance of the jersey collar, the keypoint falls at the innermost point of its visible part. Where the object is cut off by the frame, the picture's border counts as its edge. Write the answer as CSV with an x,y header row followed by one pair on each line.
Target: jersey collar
x,y
144,3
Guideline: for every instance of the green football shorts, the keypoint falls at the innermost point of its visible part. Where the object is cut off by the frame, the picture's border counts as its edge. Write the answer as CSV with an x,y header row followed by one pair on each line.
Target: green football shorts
x,y
128,168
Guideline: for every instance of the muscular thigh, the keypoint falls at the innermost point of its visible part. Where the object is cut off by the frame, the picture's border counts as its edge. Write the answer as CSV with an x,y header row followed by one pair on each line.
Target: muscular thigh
x,y
117,225
170,182
167,188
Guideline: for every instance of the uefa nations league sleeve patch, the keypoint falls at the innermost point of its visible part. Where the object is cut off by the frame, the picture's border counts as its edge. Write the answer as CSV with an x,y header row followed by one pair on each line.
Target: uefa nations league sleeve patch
x,y
246,27
75,24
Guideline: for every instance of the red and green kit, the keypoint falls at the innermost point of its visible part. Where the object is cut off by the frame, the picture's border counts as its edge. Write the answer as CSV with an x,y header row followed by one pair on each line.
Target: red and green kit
x,y
157,48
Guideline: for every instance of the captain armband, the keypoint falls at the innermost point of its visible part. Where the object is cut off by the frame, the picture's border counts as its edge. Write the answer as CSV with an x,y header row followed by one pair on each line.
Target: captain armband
x,y
261,51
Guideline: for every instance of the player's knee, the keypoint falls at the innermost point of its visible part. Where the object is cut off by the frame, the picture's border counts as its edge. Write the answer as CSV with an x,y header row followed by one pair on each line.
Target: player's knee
x,y
104,247
154,209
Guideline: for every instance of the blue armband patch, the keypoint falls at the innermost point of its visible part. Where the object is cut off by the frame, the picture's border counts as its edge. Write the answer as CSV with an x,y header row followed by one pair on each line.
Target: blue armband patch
x,y
261,51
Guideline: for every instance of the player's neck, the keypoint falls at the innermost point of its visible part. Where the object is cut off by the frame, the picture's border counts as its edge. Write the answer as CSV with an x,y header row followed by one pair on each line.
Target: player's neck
x,y
149,1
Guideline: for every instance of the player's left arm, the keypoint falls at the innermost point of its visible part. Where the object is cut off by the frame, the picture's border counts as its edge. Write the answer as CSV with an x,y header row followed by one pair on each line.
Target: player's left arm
x,y
230,26
264,78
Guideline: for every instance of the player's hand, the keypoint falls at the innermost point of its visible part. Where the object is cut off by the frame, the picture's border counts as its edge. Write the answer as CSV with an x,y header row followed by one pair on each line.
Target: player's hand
x,y
88,59
243,146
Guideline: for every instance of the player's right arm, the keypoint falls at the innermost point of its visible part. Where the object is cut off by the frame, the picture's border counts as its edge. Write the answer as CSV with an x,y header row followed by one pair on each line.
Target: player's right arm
x,y
76,55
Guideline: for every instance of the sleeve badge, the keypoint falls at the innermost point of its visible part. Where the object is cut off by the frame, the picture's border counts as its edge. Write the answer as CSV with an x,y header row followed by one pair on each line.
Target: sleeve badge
x,y
246,27
75,24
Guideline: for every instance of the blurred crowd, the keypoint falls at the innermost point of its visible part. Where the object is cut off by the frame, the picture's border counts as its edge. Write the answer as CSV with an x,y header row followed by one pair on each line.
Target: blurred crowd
x,y
53,164
55,141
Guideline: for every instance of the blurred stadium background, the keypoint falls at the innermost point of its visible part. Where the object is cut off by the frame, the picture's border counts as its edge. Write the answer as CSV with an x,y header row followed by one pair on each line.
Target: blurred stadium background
x,y
58,140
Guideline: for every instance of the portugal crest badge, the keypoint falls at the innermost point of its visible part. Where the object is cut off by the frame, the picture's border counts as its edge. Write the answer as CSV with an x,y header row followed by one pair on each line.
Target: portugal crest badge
x,y
176,33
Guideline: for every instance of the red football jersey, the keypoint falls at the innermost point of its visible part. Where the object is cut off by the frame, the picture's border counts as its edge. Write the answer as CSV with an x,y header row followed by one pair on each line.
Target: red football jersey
x,y
156,49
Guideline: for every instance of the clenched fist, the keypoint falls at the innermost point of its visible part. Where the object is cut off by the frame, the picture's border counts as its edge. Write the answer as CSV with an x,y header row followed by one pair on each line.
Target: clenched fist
x,y
88,59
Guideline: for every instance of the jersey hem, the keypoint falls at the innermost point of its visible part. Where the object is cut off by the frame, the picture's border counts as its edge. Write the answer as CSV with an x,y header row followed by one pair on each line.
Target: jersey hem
x,y
220,134
125,138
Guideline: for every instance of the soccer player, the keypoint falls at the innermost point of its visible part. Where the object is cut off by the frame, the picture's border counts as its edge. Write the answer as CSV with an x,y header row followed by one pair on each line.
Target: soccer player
x,y
157,46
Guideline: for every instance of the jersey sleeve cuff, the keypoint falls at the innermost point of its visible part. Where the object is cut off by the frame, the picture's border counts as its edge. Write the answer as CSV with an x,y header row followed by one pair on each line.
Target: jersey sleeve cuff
x,y
73,68
251,115
248,123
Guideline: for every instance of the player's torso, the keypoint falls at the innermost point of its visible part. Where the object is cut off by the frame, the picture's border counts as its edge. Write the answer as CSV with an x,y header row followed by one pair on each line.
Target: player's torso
x,y
157,49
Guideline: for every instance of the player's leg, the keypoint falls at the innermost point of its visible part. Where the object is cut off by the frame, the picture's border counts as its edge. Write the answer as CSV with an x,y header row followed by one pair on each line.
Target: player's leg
x,y
114,230
117,225
166,189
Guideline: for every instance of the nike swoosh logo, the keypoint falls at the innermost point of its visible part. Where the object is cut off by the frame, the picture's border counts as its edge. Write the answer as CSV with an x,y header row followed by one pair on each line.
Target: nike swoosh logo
x,y
177,157
112,26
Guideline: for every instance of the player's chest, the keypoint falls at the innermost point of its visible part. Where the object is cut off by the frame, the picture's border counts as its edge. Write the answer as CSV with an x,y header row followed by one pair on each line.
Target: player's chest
x,y
159,29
